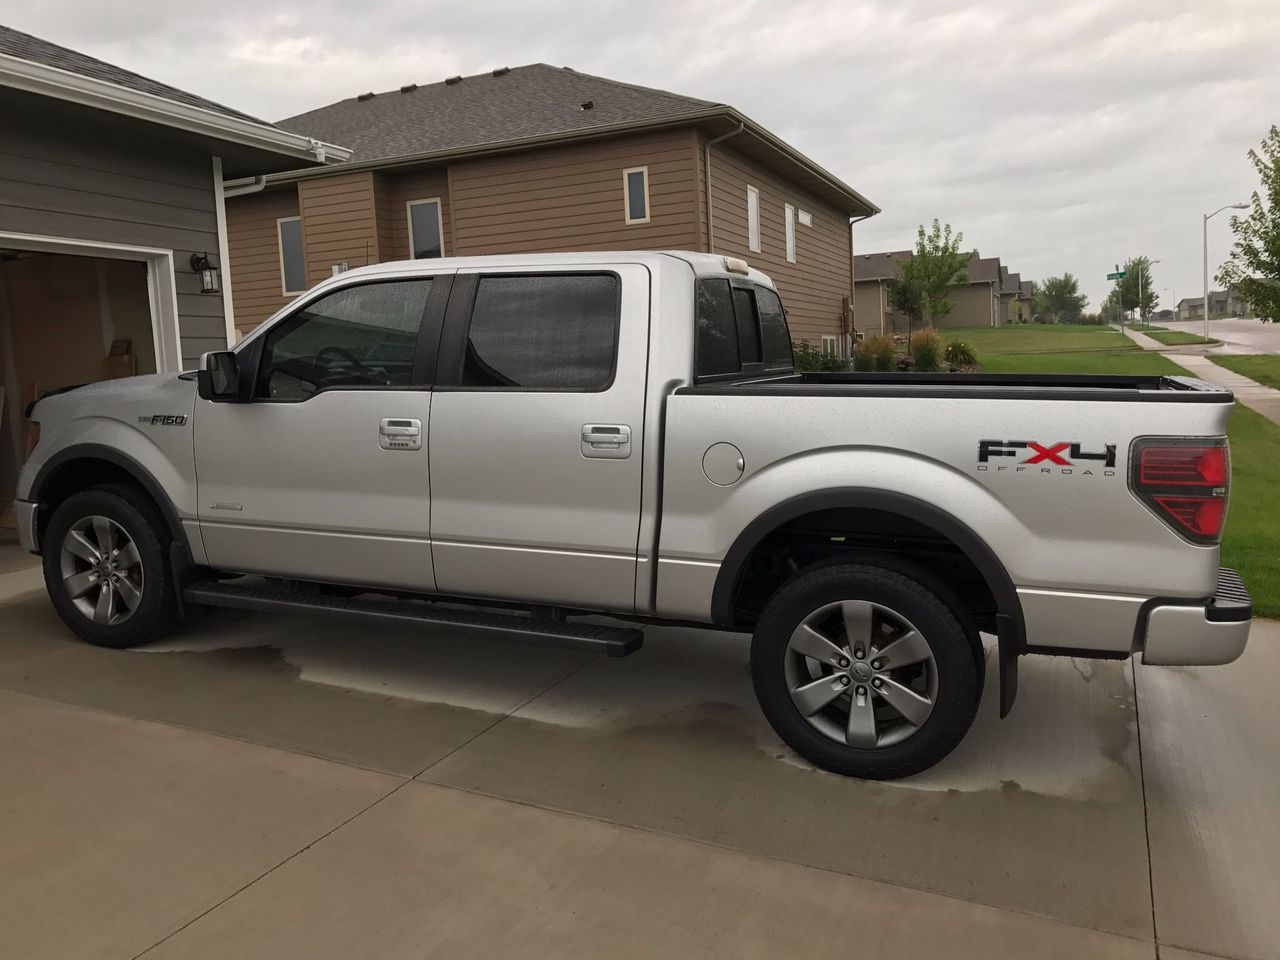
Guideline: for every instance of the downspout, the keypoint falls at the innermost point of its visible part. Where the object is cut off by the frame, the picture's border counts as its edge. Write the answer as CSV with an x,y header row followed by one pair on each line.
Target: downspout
x,y
706,156
255,186
852,333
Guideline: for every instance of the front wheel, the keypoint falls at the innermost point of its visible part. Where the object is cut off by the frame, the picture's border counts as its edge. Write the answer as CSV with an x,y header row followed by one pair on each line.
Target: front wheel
x,y
865,671
106,567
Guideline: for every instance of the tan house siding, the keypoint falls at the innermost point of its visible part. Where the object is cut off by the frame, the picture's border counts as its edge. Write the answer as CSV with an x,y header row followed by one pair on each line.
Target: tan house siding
x,y
814,288
339,223
394,192
975,306
869,308
254,246
571,198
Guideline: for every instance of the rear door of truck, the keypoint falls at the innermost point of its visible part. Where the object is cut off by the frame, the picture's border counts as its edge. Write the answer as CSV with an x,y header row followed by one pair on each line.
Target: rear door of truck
x,y
537,432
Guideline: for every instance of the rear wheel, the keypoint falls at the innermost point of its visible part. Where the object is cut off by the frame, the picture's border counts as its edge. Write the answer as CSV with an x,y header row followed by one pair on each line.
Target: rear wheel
x,y
106,568
865,671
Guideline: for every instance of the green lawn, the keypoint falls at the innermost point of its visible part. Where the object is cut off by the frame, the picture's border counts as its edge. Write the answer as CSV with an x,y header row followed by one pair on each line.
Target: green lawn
x,y
1176,338
1252,541
1263,367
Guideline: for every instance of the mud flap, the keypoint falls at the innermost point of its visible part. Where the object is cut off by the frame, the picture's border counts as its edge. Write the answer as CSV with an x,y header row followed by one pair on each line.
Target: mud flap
x,y
1008,649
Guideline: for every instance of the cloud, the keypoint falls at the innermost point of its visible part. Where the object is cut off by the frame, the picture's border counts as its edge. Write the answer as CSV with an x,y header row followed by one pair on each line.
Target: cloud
x,y
1058,137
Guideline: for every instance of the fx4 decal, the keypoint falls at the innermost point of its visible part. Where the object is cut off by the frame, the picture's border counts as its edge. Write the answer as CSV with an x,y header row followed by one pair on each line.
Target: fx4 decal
x,y
1070,457
165,419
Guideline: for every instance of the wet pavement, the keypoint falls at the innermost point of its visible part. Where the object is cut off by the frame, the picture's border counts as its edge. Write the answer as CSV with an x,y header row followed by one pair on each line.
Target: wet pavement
x,y
292,787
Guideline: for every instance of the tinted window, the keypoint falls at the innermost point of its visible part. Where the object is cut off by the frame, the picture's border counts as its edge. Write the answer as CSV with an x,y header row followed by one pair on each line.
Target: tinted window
x,y
773,329
550,332
637,195
356,336
744,305
717,330
293,265
424,229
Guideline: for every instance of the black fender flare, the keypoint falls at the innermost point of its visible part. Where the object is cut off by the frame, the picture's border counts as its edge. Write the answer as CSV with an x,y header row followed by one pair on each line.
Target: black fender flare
x,y
139,473
1010,626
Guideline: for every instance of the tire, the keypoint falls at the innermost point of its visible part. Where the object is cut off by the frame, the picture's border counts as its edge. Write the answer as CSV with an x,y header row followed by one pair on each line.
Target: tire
x,y
837,710
142,604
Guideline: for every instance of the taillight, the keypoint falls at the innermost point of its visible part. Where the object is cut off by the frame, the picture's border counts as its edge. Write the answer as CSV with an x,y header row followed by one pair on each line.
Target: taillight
x,y
1185,483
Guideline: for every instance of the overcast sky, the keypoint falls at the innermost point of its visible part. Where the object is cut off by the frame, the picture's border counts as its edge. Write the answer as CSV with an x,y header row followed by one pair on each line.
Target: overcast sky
x,y
1063,136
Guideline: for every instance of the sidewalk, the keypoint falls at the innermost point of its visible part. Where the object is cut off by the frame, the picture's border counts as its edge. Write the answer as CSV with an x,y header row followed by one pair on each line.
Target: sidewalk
x,y
1265,400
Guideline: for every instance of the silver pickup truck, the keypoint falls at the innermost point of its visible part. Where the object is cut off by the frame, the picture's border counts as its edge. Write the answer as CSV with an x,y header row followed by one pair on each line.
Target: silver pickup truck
x,y
508,444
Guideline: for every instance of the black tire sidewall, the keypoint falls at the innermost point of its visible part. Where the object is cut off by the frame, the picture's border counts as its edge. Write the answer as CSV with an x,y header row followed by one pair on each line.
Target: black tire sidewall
x,y
958,673
156,613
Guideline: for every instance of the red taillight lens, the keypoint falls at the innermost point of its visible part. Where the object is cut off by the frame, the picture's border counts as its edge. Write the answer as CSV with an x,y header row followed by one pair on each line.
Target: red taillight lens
x,y
1185,483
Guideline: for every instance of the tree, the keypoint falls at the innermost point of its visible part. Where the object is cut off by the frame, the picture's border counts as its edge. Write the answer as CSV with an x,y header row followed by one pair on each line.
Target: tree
x,y
1254,265
1138,277
935,269
1058,300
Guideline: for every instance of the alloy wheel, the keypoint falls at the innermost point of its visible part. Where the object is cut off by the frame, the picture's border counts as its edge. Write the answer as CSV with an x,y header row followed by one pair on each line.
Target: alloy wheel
x,y
101,570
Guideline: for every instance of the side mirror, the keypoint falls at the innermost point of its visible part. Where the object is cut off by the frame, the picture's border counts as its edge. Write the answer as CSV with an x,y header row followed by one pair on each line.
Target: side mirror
x,y
219,377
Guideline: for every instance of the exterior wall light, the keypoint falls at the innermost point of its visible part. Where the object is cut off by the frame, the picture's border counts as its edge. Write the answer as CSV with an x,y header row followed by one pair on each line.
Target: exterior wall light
x,y
209,279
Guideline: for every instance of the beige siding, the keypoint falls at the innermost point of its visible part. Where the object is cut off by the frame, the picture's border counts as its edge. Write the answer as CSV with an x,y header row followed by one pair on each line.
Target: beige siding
x,y
975,305
339,223
815,286
571,198
394,192
869,308
254,245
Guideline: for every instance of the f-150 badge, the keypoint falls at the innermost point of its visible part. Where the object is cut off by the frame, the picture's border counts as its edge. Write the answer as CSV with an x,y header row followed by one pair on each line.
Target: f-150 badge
x,y
165,419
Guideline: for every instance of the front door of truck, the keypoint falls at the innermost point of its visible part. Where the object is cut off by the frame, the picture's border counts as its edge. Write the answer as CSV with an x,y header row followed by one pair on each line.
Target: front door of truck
x,y
323,475
537,426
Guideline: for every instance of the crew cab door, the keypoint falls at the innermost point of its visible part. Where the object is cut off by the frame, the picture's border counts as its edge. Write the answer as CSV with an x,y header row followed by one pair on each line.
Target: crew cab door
x,y
321,473
537,427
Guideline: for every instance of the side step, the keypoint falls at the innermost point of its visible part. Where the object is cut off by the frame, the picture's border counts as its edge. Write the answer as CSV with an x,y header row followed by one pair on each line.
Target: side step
x,y
266,597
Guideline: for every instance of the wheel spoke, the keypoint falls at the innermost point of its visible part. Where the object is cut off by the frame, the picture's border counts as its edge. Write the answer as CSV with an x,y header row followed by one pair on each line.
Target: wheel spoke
x,y
129,593
914,708
78,544
105,536
812,697
814,645
861,729
128,555
908,649
858,622
78,584
102,611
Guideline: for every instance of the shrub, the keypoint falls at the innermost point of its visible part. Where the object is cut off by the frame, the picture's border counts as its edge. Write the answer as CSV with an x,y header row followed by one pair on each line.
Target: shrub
x,y
863,361
811,359
960,354
880,349
926,351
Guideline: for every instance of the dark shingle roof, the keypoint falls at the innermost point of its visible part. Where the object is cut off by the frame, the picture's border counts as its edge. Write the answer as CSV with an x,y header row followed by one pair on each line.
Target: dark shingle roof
x,y
489,108
15,43
1028,288
878,266
983,269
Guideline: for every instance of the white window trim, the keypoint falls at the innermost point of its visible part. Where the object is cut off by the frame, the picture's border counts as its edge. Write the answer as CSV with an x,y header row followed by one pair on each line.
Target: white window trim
x,y
408,213
626,196
284,281
832,341
789,215
753,219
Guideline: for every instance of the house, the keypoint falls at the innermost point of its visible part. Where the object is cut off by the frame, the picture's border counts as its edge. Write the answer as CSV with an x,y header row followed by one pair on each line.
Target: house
x,y
1222,303
111,205
978,303
541,158
1015,303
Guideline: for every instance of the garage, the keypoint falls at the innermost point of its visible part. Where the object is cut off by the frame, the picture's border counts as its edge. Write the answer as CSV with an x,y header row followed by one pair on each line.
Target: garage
x,y
112,225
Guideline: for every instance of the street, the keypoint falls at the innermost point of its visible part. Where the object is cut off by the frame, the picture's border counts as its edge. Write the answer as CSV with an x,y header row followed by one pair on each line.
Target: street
x,y
1238,335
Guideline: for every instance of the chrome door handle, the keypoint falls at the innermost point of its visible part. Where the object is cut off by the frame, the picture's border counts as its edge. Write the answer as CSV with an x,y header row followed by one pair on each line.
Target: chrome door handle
x,y
399,434
606,441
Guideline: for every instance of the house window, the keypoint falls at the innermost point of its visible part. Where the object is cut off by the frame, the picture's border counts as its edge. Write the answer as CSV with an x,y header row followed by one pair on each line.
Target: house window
x,y
753,219
791,233
830,345
426,229
293,263
635,189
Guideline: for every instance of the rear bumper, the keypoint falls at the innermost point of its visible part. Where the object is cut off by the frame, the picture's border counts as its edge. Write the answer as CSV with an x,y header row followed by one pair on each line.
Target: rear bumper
x,y
26,511
1202,634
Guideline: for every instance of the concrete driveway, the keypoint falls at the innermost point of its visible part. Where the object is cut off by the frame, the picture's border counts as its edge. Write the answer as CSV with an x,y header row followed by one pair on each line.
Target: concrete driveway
x,y
286,787
1238,335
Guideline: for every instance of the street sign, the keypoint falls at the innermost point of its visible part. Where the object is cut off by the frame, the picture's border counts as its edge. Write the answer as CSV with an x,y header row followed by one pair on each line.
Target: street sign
x,y
1118,276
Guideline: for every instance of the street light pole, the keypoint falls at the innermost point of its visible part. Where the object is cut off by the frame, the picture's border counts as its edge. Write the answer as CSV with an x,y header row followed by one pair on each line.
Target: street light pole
x,y
1207,218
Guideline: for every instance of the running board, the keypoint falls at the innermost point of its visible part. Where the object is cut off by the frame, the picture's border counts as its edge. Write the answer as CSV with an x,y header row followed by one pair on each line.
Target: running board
x,y
267,598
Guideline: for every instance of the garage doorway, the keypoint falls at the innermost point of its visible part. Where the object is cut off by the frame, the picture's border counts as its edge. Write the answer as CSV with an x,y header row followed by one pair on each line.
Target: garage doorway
x,y
68,317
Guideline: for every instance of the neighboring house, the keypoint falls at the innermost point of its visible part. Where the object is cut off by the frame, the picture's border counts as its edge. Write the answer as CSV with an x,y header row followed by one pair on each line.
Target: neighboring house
x,y
1222,303
109,183
1015,304
978,303
542,158
1162,316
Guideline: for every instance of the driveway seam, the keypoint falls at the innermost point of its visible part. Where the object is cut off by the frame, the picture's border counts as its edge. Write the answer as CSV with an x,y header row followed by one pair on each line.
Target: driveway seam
x,y
1146,816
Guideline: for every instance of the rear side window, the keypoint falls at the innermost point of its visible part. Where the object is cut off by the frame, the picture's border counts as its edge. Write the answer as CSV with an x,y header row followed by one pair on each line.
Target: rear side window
x,y
741,329
775,337
544,332
717,349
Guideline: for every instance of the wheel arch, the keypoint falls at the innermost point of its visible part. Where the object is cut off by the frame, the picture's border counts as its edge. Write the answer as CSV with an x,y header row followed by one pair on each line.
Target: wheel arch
x,y
1010,626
